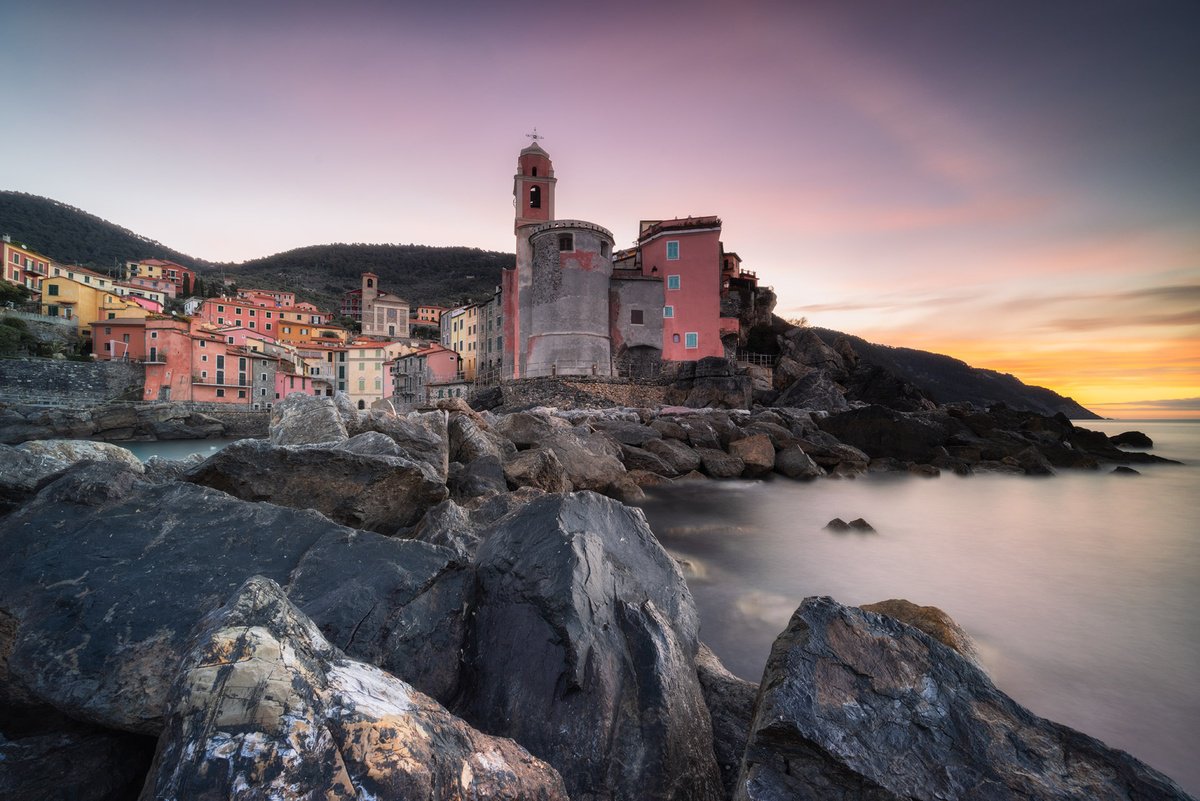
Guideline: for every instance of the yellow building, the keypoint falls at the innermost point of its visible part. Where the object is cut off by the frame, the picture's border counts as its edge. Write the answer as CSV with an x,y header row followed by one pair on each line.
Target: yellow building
x,y
303,333
85,303
463,328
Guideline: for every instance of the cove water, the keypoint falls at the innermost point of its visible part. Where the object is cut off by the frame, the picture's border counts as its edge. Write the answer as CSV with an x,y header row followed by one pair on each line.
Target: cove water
x,y
1082,590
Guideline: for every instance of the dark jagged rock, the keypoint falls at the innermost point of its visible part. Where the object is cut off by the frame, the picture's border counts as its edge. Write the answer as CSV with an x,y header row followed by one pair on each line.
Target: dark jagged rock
x,y
676,455
720,464
102,579
635,458
421,437
815,391
880,431
538,468
859,706
1122,470
627,433
577,591
462,528
263,701
380,493
483,476
793,462
1132,439
730,702
74,763
858,524
837,524
469,440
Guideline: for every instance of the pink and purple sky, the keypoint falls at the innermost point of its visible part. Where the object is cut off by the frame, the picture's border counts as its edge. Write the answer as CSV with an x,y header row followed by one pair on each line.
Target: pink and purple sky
x,y
1015,183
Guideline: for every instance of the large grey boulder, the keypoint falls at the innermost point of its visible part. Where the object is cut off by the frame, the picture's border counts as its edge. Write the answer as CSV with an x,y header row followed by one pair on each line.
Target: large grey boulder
x,y
860,706
380,493
422,437
719,464
675,454
795,463
635,458
539,468
816,391
102,576
301,419
880,431
471,440
262,699
23,467
576,591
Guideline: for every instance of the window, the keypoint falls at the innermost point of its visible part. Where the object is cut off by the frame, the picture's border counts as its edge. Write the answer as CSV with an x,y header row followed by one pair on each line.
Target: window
x,y
204,374
241,393
566,242
636,317
535,172
220,308
220,393
673,250
203,357
672,282
675,338
53,290
264,377
604,249
535,197
262,393
203,343
692,340
668,311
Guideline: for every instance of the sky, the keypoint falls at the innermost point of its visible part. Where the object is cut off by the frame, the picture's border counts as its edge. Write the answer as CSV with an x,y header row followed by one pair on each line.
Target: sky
x,y
1013,183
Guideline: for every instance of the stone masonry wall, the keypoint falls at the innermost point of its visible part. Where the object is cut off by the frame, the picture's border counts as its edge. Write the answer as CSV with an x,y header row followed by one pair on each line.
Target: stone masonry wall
x,y
581,393
57,382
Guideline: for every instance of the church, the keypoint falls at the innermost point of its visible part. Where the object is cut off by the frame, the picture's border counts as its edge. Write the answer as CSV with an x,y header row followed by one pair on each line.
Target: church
x,y
573,305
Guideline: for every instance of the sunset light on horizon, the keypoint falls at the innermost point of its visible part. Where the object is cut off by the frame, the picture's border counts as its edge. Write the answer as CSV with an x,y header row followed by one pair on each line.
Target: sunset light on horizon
x,y
1016,185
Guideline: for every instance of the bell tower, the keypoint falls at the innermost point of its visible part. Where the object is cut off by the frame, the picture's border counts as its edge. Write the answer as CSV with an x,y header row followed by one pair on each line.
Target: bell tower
x,y
533,186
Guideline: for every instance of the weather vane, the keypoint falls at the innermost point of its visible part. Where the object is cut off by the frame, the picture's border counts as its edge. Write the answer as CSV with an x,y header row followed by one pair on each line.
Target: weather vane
x,y
534,136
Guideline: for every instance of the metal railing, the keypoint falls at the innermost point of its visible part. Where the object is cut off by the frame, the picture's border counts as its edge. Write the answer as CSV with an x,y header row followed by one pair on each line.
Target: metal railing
x,y
760,359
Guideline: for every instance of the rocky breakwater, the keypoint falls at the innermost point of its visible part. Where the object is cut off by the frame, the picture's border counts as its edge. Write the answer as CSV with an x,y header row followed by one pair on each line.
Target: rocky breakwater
x,y
112,422
182,642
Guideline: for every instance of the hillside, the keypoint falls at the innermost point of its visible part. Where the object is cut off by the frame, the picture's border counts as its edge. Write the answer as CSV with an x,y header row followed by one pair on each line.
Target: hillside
x,y
443,276
72,236
319,273
948,380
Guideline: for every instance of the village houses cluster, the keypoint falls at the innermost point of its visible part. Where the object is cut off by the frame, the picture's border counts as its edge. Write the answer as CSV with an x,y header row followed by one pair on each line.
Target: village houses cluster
x,y
570,305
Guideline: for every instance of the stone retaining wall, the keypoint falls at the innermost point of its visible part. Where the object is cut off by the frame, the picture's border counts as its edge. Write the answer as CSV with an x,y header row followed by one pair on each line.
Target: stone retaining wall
x,y
56,382
577,392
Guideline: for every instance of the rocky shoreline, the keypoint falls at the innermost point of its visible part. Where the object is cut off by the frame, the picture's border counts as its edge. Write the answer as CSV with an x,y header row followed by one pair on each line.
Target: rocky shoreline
x,y
447,605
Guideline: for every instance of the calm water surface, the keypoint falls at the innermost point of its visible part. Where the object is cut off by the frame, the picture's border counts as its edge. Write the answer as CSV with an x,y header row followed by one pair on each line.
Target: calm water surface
x,y
1082,590
175,448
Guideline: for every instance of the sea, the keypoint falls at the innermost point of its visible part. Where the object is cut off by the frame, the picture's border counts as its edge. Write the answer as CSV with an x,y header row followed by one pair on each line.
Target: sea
x,y
1081,590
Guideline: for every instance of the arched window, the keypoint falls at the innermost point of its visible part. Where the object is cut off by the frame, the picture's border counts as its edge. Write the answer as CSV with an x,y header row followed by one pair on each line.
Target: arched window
x,y
370,283
535,172
535,197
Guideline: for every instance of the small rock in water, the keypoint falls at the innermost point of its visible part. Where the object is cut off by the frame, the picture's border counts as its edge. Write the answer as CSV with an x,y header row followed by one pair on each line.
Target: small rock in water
x,y
1134,439
837,524
858,524
924,470
1122,470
